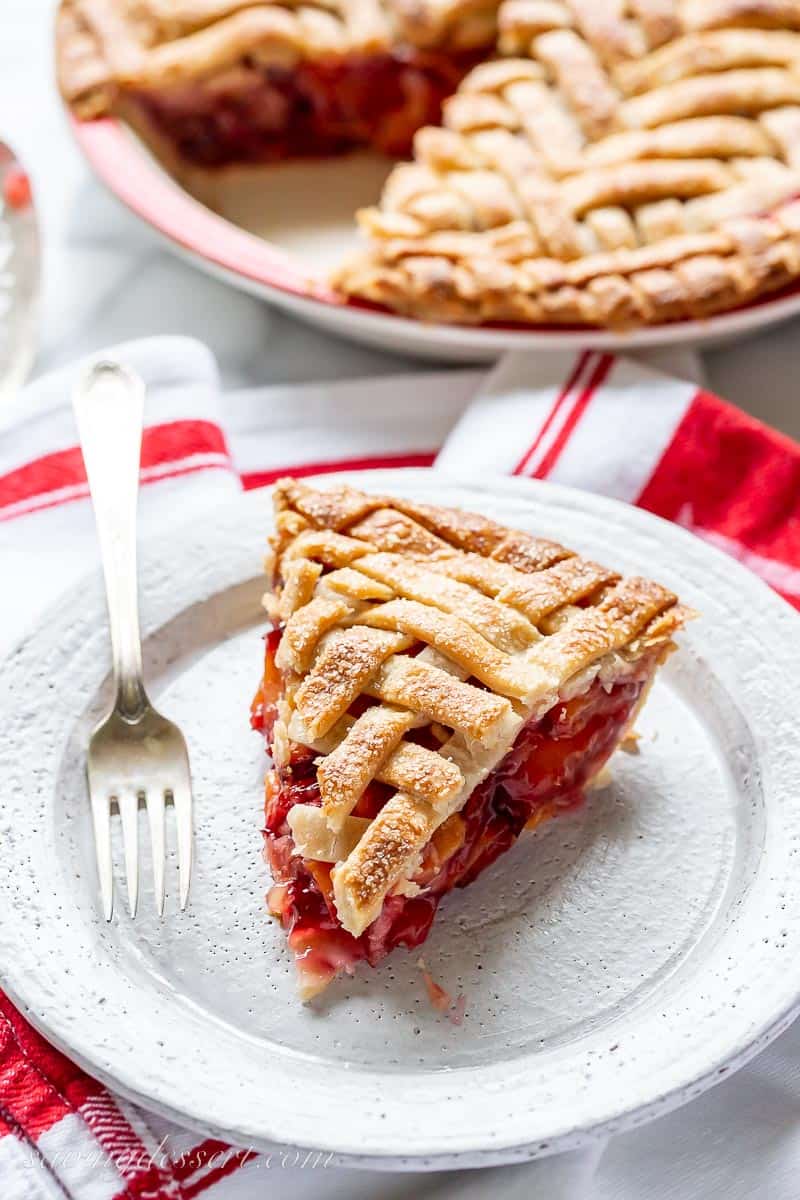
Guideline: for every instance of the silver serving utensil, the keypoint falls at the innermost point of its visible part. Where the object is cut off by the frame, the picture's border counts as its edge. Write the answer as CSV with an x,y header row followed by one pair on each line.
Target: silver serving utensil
x,y
20,270
136,758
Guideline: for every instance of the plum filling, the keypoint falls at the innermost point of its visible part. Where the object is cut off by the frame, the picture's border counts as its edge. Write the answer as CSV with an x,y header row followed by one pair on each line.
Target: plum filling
x,y
543,773
258,114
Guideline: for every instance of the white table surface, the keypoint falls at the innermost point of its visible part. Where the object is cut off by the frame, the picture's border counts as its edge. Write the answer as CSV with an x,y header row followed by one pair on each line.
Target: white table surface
x,y
103,269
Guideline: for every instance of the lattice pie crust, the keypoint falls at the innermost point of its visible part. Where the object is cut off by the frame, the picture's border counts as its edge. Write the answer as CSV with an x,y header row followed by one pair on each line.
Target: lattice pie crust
x,y
443,619
615,162
626,164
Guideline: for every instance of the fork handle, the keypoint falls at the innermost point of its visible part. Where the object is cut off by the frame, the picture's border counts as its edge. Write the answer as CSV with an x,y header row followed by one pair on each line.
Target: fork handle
x,y
109,410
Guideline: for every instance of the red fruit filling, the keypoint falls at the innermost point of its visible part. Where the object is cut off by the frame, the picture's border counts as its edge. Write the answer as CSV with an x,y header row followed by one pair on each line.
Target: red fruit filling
x,y
261,114
543,773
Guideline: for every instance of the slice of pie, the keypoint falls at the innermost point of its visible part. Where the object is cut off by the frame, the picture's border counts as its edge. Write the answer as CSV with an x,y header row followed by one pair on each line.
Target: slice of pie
x,y
434,683
606,162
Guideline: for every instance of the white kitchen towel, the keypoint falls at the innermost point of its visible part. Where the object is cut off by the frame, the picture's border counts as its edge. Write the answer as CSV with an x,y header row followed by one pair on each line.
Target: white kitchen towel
x,y
199,449
607,424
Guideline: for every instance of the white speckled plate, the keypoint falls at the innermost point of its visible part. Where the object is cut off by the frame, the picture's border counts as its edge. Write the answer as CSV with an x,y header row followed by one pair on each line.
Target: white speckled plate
x,y
615,964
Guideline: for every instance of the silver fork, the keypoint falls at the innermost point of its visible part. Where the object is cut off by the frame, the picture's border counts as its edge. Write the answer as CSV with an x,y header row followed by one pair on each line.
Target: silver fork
x,y
136,758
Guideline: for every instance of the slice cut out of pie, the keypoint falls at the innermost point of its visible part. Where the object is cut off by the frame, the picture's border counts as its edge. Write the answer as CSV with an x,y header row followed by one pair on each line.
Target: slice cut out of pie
x,y
434,684
595,162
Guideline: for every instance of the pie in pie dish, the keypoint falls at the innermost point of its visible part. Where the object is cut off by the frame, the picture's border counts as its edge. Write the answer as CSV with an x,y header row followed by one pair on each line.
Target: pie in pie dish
x,y
601,162
434,683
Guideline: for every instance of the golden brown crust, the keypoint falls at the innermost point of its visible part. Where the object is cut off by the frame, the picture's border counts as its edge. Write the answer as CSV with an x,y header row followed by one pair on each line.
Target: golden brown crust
x,y
667,280
503,626
597,177
592,175
345,664
105,47
566,582
361,882
519,615
108,47
437,695
343,774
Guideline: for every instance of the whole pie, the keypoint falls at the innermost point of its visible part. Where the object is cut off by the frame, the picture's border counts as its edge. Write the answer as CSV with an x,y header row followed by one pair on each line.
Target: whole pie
x,y
600,162
434,684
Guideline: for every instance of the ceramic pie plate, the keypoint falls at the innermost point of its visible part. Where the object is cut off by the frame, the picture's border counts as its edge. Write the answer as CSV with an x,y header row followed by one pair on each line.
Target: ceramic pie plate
x,y
614,964
278,231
